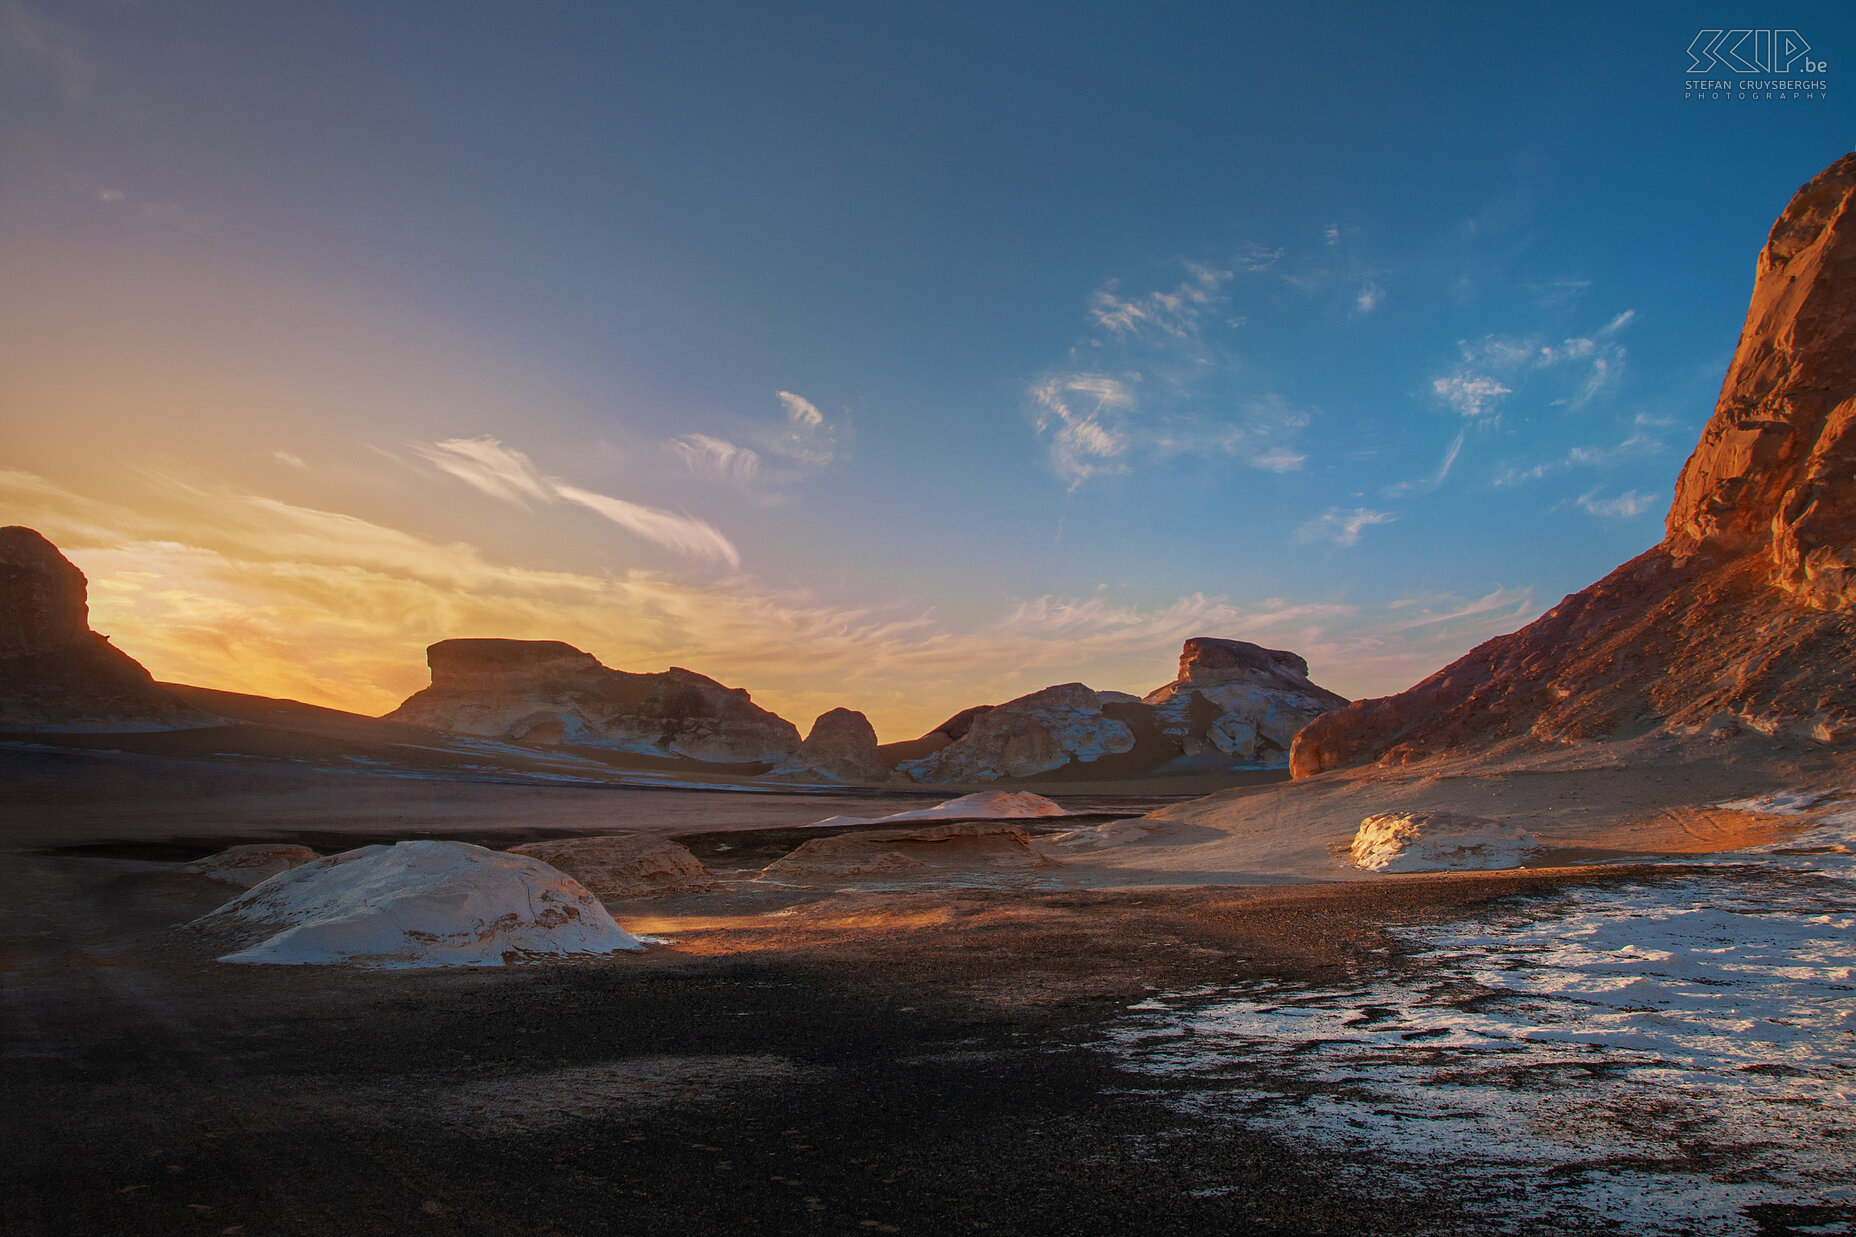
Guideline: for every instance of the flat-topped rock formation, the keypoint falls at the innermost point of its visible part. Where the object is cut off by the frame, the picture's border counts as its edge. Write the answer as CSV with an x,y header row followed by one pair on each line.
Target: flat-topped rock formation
x,y
56,673
1744,616
1240,700
550,693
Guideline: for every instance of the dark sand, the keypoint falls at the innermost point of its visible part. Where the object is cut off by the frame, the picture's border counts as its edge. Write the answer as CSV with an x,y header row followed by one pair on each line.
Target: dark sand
x,y
916,1063
796,1062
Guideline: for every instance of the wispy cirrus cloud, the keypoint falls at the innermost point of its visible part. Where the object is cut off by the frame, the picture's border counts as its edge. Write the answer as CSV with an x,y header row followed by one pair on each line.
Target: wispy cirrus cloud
x,y
1637,446
217,586
1155,381
1342,528
1495,367
708,456
1626,506
766,455
510,476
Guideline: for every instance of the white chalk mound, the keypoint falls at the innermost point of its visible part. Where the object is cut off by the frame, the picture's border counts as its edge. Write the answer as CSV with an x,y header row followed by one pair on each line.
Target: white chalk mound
x,y
986,805
418,904
1439,842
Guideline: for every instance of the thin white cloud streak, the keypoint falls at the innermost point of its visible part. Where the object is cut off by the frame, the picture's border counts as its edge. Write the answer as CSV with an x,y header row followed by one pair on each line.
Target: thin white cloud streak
x,y
221,588
707,456
808,440
510,476
684,534
486,464
1342,528
1625,506
1436,479
800,410
1495,367
1637,446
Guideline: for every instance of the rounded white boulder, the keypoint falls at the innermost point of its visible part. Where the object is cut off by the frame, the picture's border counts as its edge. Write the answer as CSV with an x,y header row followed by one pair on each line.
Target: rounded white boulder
x,y
420,904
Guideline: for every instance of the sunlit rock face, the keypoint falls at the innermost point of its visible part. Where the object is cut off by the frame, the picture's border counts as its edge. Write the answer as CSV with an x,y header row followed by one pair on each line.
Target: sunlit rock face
x,y
841,747
1744,617
547,692
54,671
1239,700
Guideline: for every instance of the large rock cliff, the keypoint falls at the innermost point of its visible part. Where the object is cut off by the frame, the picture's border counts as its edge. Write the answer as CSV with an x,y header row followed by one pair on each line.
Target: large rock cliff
x,y
56,673
1744,616
547,692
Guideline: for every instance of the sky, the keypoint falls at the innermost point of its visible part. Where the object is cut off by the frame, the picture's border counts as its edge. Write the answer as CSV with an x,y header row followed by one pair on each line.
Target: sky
x,y
894,357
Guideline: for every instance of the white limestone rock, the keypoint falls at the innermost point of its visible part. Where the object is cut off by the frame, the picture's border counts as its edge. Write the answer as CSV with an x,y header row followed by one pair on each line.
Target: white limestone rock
x,y
1439,842
419,904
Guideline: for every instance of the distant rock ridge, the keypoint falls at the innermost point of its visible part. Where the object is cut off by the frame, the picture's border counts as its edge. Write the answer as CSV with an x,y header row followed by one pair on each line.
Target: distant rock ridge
x,y
1744,616
56,673
1234,705
551,693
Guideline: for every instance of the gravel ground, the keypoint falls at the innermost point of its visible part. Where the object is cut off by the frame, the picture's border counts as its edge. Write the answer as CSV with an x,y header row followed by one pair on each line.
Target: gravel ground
x,y
924,1062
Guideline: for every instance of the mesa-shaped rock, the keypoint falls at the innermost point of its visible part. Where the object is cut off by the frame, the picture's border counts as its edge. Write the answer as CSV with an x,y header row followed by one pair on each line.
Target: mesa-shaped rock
x,y
1741,618
56,673
550,693
1240,700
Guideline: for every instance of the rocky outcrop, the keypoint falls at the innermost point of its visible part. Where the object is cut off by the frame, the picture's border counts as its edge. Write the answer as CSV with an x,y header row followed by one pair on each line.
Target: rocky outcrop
x,y
951,852
250,864
1239,700
1044,731
1233,705
985,805
624,865
549,693
54,671
1743,617
842,747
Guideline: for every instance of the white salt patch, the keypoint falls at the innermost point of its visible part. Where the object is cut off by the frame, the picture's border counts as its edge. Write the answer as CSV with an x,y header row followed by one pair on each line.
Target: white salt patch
x,y
1657,1056
1439,842
1094,837
986,805
1780,803
418,904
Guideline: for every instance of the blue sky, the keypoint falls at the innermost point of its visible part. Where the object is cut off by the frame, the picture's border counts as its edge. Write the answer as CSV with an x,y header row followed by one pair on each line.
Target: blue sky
x,y
889,356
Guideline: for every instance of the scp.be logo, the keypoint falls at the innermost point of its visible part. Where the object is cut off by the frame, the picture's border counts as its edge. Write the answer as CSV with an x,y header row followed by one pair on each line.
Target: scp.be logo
x,y
1752,51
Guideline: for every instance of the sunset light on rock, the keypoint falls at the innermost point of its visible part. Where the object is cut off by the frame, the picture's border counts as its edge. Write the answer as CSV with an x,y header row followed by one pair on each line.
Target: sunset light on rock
x,y
827,618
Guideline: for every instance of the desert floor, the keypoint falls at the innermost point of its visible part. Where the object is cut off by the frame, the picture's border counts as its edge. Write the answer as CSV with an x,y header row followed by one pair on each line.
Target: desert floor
x,y
1046,1052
